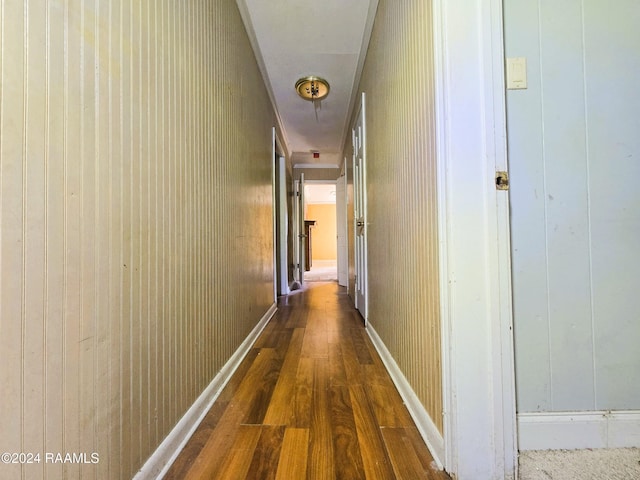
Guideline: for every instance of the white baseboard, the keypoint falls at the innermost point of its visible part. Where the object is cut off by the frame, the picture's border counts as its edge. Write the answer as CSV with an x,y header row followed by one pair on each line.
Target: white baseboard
x,y
159,462
577,430
432,437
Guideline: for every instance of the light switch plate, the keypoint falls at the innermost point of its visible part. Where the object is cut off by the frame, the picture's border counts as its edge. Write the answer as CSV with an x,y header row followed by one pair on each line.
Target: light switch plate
x,y
516,73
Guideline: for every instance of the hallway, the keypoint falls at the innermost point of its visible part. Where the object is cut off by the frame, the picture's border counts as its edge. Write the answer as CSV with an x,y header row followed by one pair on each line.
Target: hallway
x,y
312,399
152,169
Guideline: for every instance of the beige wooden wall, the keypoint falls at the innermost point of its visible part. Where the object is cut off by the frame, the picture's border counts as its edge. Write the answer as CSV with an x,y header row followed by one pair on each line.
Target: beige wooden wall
x,y
401,193
135,209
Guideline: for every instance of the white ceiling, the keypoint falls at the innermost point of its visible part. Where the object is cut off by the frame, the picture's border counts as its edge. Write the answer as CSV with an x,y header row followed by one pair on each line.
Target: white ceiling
x,y
320,193
297,38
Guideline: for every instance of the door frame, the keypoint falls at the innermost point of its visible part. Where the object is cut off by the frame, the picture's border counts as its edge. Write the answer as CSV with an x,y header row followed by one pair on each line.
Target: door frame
x,y
334,184
298,232
280,213
361,178
475,256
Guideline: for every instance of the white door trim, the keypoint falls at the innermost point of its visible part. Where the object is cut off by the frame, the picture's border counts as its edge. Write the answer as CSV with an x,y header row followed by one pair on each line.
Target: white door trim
x,y
496,143
274,212
579,430
283,216
298,267
299,232
448,366
360,207
475,271
279,202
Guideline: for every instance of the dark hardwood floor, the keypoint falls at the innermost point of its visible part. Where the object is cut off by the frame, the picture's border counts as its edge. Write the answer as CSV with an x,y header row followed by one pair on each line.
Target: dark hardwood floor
x,y
311,400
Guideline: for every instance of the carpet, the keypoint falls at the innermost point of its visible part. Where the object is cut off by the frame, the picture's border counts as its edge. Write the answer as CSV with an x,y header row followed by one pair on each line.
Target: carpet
x,y
322,271
596,464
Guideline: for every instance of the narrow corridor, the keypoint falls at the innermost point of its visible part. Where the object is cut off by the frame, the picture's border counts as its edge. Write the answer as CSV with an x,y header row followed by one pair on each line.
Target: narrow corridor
x,y
312,399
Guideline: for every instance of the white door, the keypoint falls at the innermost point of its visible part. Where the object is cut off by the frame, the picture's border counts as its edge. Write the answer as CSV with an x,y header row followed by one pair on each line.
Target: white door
x,y
298,231
360,210
341,231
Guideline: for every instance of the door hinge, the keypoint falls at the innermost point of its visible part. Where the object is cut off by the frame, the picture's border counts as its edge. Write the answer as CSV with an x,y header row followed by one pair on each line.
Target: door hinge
x,y
502,181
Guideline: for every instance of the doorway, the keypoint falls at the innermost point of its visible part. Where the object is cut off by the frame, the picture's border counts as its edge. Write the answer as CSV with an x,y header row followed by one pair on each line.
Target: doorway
x,y
320,216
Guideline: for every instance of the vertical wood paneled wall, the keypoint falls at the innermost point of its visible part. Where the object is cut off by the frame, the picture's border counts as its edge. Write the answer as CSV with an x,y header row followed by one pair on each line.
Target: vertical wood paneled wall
x,y
135,210
401,195
573,149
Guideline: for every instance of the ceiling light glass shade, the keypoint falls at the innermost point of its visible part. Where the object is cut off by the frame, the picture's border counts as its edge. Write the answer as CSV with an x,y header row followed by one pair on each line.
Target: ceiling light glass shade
x,y
312,88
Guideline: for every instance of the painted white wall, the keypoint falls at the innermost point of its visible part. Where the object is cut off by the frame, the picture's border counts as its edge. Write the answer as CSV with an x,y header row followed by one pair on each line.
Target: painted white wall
x,y
574,153
478,388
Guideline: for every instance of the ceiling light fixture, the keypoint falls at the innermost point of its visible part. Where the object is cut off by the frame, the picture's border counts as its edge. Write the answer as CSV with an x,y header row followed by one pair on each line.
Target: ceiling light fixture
x,y
312,88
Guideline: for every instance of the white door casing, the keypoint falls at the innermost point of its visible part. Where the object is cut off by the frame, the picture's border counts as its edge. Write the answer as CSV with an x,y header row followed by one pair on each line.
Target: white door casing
x,y
475,271
274,212
283,220
280,218
302,235
298,231
360,210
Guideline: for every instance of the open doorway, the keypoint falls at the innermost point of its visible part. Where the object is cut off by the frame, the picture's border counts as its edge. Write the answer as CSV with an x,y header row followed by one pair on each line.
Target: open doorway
x,y
320,220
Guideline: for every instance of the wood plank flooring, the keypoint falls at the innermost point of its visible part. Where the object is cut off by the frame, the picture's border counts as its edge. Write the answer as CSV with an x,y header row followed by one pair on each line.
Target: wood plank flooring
x,y
312,400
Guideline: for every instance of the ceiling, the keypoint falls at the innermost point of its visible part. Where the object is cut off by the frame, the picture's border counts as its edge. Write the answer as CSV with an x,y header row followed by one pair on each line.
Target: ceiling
x,y
320,193
297,38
